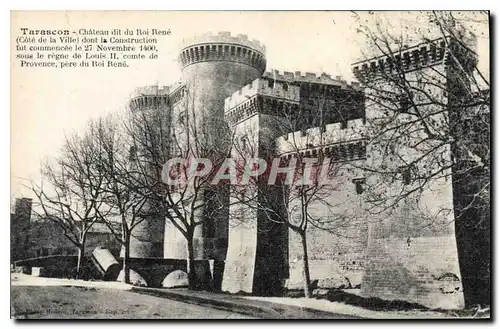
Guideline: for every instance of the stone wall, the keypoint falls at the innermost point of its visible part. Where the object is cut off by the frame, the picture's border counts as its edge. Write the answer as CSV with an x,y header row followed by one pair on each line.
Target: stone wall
x,y
338,250
411,252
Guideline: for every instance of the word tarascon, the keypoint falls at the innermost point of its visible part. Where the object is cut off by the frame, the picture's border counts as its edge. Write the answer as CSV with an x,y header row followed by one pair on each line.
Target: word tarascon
x,y
27,31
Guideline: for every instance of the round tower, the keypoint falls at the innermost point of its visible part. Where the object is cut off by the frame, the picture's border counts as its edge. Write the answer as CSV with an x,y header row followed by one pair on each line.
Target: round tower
x,y
147,105
214,67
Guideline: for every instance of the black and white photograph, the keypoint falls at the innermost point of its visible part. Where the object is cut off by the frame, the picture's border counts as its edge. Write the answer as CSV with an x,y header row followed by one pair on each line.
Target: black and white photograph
x,y
250,165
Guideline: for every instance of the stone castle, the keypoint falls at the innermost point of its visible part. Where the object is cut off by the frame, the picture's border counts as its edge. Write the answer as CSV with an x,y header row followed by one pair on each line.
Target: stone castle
x,y
389,257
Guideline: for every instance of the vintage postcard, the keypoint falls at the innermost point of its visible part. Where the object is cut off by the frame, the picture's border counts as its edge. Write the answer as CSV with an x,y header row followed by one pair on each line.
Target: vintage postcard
x,y
250,165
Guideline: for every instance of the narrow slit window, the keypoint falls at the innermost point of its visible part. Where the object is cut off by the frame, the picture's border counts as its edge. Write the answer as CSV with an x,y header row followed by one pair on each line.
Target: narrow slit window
x,y
359,185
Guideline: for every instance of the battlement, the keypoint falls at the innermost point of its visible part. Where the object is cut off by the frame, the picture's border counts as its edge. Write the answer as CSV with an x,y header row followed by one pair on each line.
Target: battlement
x,y
283,85
309,77
222,47
149,96
242,95
427,54
224,37
318,137
178,92
152,90
277,89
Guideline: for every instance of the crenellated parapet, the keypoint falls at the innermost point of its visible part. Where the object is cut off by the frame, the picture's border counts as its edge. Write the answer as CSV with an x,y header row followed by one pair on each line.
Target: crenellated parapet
x,y
298,77
149,96
276,91
261,97
263,86
352,150
436,52
178,93
223,47
224,37
348,137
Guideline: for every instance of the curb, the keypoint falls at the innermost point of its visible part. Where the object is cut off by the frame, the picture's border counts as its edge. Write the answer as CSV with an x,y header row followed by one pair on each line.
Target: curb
x,y
260,309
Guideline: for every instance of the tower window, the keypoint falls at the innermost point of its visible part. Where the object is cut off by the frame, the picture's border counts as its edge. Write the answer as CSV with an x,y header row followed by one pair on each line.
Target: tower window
x,y
335,153
359,184
398,60
389,65
442,47
244,143
285,86
407,60
270,83
416,57
342,152
182,118
404,103
423,54
433,52
132,153
381,66
406,175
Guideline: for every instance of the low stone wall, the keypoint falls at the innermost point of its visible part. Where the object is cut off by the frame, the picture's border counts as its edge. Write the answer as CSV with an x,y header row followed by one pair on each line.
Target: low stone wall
x,y
59,266
153,270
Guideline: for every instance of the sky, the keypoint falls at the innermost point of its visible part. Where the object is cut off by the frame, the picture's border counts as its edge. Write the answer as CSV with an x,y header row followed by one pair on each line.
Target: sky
x,y
47,104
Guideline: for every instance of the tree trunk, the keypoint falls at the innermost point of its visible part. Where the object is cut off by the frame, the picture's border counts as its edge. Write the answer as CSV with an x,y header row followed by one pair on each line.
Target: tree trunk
x,y
305,266
126,258
81,255
79,262
191,272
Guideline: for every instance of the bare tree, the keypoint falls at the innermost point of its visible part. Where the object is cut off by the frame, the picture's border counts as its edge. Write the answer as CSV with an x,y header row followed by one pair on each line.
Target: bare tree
x,y
429,121
121,190
157,136
417,106
70,192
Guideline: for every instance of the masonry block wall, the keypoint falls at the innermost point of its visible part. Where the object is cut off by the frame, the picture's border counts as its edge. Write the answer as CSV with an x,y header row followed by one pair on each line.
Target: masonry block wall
x,y
338,251
414,258
412,251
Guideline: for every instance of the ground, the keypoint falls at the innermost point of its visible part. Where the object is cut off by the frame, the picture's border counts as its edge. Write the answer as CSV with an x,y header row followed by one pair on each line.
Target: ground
x,y
48,300
51,298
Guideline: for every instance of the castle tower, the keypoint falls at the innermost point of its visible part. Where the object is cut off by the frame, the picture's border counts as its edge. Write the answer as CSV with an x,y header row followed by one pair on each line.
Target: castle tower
x,y
146,103
257,256
469,112
413,253
20,224
213,67
277,116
